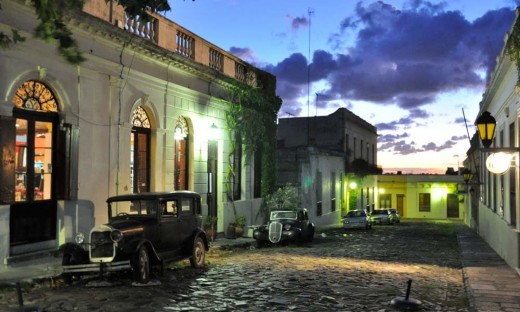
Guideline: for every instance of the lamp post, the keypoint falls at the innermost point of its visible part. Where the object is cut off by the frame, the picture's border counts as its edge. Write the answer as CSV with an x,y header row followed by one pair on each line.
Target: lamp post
x,y
500,159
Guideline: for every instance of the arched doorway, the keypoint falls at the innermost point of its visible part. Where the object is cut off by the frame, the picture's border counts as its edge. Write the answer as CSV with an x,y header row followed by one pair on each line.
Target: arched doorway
x,y
35,143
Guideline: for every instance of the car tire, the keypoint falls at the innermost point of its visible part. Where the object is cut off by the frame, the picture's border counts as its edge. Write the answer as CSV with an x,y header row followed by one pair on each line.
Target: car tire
x,y
259,244
142,266
68,259
198,253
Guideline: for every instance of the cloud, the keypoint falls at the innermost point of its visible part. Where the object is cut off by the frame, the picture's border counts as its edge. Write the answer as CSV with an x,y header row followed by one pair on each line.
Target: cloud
x,y
298,22
246,54
402,57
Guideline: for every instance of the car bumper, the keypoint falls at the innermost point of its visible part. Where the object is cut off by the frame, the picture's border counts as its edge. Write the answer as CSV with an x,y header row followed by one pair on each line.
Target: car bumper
x,y
286,235
96,267
356,225
381,221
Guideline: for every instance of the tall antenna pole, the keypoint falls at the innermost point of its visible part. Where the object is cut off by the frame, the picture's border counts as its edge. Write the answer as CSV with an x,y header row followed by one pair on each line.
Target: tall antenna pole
x,y
309,12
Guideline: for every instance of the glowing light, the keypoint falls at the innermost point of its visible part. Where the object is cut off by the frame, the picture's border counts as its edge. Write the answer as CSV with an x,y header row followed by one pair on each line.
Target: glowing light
x,y
353,185
499,163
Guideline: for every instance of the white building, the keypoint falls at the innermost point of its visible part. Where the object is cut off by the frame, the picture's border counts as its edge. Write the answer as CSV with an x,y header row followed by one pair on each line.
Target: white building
x,y
137,115
496,198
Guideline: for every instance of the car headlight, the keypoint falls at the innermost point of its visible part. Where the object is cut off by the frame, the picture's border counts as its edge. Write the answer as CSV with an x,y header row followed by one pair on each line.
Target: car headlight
x,y
287,227
79,238
116,236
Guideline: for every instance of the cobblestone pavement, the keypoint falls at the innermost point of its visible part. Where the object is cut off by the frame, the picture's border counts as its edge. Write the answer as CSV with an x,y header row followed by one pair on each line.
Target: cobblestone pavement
x,y
339,271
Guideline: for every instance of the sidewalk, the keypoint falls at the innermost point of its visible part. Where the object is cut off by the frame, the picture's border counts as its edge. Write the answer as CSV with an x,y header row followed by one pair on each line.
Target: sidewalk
x,y
492,285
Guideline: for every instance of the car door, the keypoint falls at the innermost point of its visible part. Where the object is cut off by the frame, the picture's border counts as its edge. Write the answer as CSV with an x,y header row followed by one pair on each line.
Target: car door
x,y
188,221
170,226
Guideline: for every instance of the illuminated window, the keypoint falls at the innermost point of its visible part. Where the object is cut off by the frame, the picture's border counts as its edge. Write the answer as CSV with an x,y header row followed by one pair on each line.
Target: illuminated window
x,y
385,201
181,156
140,151
424,202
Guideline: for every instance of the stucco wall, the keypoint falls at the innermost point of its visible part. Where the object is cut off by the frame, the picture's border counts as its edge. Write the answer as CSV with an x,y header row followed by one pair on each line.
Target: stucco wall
x,y
499,235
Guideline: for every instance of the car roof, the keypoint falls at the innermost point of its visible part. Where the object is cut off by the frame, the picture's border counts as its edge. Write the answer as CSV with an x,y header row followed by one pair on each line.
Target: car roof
x,y
154,195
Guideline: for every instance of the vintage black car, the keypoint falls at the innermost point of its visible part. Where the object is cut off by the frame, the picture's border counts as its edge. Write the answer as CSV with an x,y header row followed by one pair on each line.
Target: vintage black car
x,y
143,230
285,226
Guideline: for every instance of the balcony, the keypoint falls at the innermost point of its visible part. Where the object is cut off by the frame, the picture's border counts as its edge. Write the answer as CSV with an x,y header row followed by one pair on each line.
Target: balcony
x,y
173,37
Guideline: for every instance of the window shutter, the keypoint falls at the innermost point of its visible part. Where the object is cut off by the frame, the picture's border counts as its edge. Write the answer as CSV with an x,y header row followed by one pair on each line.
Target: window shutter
x,y
66,171
7,154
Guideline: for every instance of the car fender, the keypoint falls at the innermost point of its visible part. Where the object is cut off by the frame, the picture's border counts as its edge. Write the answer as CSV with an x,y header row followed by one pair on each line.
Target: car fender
x,y
76,250
150,247
199,233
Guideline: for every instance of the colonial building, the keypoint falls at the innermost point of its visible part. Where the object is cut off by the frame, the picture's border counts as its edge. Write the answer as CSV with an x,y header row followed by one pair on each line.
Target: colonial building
x,y
496,195
419,196
331,160
152,108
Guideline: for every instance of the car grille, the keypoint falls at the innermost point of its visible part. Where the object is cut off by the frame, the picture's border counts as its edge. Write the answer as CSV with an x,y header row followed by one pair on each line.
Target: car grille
x,y
275,232
101,245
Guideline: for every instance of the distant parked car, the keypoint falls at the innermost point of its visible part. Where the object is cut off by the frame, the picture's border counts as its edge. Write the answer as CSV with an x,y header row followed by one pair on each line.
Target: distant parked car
x,y
381,216
357,219
143,230
285,226
395,213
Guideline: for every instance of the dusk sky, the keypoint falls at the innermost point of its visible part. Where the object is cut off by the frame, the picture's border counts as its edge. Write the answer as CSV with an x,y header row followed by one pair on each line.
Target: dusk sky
x,y
410,68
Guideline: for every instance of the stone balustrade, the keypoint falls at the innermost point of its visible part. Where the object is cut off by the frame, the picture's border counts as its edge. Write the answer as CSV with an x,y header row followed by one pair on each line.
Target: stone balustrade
x,y
171,36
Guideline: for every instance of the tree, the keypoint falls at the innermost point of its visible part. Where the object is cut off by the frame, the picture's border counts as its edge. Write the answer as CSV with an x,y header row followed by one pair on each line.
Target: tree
x,y
53,29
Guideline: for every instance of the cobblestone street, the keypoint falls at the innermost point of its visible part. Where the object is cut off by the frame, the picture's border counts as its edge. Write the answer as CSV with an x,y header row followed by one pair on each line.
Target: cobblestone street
x,y
339,271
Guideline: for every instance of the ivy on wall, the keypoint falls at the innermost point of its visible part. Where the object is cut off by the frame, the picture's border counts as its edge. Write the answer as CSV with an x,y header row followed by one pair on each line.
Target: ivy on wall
x,y
252,115
513,45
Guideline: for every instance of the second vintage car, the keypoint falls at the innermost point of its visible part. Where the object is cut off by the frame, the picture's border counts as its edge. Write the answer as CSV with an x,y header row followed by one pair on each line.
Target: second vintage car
x,y
143,230
285,226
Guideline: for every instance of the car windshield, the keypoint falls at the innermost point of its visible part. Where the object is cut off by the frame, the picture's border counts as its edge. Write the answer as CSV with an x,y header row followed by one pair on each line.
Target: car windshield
x,y
377,212
356,213
393,211
275,215
139,207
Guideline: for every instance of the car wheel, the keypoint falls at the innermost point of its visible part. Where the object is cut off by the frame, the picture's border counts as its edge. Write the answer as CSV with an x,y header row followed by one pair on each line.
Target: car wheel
x,y
259,244
68,259
142,266
198,256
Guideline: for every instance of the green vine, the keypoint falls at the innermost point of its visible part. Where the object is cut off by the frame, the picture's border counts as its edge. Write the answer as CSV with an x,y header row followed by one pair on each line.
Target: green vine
x,y
252,116
513,45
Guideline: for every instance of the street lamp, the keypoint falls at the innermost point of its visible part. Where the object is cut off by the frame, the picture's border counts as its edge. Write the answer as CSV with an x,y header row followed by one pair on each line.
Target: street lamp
x,y
500,159
486,128
467,175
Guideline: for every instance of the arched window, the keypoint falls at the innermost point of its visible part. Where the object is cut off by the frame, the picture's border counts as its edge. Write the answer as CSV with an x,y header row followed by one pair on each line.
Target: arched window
x,y
140,151
35,128
181,156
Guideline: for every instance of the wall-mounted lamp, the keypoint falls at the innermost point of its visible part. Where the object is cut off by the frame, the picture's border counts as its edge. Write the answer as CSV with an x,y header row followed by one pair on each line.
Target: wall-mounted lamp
x,y
467,175
500,159
213,132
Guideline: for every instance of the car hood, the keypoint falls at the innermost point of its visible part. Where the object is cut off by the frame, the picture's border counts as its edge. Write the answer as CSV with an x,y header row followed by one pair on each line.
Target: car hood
x,y
131,225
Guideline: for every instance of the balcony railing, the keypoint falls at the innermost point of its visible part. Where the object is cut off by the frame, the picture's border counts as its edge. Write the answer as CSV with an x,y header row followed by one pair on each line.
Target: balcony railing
x,y
173,37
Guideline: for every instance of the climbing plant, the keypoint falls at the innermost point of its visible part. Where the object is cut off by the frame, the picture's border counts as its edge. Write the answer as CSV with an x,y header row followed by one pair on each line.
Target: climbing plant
x,y
252,115
513,45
